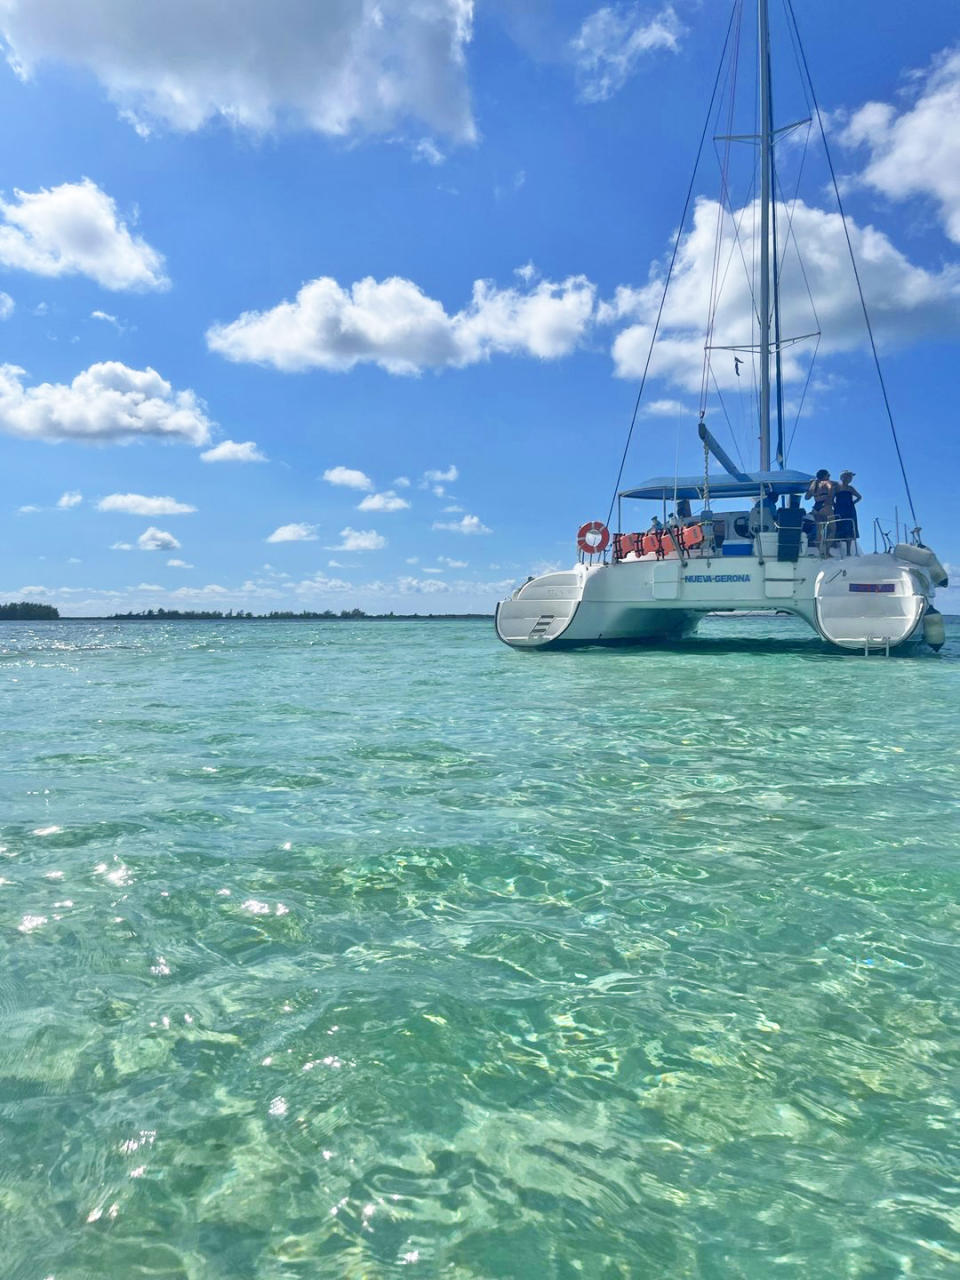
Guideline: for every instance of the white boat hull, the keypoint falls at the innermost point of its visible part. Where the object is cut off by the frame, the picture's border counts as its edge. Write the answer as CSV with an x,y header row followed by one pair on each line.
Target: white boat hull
x,y
861,602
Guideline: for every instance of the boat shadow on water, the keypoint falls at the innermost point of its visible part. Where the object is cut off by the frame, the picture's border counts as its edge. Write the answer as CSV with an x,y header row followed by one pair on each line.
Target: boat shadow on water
x,y
702,647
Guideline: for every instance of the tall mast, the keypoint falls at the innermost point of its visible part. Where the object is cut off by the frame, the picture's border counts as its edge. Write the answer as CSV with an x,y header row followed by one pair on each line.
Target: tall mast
x,y
766,185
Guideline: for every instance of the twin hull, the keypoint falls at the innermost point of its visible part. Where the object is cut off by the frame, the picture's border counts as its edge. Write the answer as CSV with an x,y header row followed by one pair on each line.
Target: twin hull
x,y
859,602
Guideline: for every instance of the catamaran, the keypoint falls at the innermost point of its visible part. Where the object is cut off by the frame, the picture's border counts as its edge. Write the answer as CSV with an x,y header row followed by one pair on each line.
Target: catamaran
x,y
750,545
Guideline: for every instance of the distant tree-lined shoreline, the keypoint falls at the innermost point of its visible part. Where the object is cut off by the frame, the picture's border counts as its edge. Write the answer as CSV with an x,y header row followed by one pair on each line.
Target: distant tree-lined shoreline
x,y
280,615
28,611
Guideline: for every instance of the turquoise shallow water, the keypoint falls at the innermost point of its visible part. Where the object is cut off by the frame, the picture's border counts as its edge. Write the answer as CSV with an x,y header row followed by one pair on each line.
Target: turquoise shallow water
x,y
362,950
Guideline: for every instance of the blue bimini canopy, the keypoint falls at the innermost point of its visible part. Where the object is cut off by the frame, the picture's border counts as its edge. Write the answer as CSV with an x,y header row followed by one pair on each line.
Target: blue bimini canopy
x,y
667,488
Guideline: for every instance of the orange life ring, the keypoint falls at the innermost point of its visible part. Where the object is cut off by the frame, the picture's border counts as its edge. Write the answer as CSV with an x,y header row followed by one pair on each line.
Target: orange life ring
x,y
600,532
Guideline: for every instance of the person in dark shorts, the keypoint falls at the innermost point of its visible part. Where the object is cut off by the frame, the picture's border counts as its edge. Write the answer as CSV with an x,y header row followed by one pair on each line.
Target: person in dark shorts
x,y
821,489
845,499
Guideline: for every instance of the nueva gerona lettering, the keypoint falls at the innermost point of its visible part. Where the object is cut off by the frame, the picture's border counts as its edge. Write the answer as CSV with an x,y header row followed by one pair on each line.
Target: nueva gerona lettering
x,y
716,577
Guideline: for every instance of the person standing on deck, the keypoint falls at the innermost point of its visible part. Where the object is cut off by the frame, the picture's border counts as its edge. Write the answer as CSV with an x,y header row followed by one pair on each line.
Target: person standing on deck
x,y
845,499
821,489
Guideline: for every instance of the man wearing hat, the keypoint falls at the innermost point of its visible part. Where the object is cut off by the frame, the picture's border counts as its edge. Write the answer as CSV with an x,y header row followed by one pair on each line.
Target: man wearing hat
x,y
845,499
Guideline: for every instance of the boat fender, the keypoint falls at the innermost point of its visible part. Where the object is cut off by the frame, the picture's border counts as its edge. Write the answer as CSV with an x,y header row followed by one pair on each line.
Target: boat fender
x,y
593,537
938,574
934,631
925,558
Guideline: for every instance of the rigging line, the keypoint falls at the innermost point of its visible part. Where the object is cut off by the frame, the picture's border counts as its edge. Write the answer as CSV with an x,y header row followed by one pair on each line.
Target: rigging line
x,y
720,284
856,272
673,260
711,311
723,406
737,219
794,40
737,243
718,241
791,235
737,223
744,406
803,159
676,466
726,198
770,163
803,397
754,245
791,206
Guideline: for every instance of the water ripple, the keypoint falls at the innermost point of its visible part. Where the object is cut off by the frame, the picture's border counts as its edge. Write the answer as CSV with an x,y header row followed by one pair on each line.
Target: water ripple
x,y
355,951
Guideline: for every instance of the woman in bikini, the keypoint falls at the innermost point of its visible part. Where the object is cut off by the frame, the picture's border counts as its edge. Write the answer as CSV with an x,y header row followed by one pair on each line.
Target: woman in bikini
x,y
821,490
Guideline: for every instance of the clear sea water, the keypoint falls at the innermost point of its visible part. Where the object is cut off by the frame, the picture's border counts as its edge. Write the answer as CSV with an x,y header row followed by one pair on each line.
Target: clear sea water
x,y
381,950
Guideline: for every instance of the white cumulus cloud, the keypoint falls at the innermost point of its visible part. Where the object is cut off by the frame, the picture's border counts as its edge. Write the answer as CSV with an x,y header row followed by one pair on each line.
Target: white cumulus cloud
x,y
179,564
107,318
469,524
665,409
426,149
107,402
157,540
436,476
348,477
906,301
387,501
336,66
393,324
612,41
72,498
360,540
916,151
137,504
418,586
7,305
233,451
294,533
74,229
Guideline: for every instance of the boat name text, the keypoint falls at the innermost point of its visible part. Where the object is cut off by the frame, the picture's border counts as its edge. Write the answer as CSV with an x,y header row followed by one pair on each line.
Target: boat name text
x,y
716,577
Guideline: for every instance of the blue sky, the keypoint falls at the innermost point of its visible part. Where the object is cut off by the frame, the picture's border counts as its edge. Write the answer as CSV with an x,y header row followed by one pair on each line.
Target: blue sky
x,y
345,304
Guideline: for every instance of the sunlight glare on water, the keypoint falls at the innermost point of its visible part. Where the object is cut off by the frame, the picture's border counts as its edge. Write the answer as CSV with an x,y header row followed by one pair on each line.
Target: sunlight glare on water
x,y
380,949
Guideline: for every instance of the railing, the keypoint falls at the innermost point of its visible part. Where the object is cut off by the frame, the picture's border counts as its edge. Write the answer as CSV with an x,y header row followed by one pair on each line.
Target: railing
x,y
884,536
